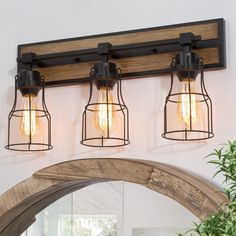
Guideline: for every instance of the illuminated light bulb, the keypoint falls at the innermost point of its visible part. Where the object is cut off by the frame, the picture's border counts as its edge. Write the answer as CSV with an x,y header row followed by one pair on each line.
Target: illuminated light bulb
x,y
184,112
29,121
104,116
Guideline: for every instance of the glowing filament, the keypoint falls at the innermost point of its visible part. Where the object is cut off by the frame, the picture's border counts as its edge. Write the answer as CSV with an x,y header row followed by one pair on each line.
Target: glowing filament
x,y
29,120
104,116
188,105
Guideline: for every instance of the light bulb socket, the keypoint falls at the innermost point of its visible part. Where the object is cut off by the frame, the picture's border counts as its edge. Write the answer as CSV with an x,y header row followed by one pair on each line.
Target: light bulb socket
x,y
105,75
29,82
187,65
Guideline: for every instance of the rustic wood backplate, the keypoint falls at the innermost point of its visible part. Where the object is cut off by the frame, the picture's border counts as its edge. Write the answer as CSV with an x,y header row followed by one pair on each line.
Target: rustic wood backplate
x,y
157,62
19,205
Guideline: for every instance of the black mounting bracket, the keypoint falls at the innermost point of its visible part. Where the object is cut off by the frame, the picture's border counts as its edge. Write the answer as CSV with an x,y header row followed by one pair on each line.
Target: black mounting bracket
x,y
104,50
27,60
189,39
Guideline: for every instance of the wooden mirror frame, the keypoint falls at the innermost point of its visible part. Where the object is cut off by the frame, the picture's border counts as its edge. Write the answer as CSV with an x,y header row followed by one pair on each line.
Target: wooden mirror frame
x,y
20,204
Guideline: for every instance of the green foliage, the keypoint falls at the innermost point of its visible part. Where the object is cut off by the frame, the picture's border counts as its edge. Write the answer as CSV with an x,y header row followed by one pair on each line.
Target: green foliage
x,y
222,223
226,165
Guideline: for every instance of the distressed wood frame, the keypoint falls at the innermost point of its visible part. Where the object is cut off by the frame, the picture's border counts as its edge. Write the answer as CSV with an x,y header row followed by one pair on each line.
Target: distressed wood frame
x,y
154,63
19,205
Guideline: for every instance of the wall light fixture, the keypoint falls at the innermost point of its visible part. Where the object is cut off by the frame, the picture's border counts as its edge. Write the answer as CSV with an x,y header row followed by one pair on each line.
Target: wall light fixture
x,y
29,122
188,107
137,53
106,117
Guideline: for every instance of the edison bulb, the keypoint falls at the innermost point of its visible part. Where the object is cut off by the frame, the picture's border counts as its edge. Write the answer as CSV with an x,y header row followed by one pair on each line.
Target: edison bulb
x,y
104,115
188,105
29,121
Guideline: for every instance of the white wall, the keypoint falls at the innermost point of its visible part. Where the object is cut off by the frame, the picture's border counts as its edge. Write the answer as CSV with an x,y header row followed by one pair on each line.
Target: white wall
x,y
28,21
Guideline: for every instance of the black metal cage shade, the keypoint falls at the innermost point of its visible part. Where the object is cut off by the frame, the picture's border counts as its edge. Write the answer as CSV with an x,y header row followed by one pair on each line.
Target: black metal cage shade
x,y
105,120
29,122
188,107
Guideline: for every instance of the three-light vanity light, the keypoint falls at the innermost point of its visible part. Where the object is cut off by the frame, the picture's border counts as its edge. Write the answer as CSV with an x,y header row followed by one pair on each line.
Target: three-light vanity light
x,y
105,120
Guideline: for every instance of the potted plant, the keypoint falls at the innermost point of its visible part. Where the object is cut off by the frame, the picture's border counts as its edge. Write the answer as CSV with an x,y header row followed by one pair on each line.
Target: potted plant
x,y
222,223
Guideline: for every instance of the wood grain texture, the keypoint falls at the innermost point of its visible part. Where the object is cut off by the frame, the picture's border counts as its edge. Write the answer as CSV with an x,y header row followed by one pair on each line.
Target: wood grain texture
x,y
128,65
132,67
207,31
20,204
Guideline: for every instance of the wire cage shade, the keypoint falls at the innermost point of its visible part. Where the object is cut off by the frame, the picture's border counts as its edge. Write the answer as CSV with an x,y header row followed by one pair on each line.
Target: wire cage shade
x,y
29,122
188,107
105,120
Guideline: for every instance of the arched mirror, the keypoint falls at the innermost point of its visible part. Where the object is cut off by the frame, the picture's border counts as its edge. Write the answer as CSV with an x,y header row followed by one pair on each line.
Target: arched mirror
x,y
106,197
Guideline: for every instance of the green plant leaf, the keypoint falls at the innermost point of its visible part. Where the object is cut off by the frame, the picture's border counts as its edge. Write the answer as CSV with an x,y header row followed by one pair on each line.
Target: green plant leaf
x,y
222,223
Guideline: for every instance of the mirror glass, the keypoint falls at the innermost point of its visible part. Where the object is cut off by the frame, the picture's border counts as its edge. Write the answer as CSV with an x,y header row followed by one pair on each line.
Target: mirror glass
x,y
112,209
